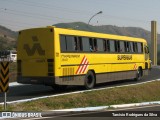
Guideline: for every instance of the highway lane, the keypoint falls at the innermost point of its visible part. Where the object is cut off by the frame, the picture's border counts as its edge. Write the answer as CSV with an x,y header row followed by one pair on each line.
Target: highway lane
x,y
31,91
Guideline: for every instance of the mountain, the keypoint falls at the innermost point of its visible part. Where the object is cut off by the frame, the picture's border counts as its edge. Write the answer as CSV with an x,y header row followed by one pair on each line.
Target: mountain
x,y
110,29
8,38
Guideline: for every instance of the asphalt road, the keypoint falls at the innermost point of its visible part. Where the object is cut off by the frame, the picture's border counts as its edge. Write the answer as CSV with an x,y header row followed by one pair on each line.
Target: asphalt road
x,y
142,113
31,91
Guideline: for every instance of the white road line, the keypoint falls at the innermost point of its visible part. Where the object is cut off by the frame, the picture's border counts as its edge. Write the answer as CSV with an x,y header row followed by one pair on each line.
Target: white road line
x,y
13,84
36,98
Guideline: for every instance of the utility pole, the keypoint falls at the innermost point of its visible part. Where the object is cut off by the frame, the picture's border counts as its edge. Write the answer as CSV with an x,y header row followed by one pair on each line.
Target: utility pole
x,y
154,42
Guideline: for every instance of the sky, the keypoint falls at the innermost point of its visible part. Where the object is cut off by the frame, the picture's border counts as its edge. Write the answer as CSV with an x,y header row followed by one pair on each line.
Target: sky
x,y
22,14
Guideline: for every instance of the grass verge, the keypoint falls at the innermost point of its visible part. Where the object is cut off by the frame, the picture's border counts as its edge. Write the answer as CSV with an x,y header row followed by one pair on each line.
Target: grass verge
x,y
123,95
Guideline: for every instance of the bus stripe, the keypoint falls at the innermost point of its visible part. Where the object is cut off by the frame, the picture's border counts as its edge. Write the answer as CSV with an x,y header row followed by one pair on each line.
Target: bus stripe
x,y
85,68
80,65
83,65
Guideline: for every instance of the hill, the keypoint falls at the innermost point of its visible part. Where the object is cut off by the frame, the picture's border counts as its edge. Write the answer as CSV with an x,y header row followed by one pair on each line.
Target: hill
x,y
8,38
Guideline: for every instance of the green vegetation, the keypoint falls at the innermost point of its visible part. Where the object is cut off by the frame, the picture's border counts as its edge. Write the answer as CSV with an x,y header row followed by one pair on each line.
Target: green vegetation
x,y
7,39
123,95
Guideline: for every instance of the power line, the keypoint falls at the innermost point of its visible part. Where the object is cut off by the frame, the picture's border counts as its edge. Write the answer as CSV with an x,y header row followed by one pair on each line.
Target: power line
x,y
50,7
29,14
34,15
47,6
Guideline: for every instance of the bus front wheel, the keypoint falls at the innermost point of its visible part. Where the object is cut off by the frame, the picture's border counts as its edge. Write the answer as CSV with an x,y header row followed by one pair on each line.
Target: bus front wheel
x,y
90,80
139,74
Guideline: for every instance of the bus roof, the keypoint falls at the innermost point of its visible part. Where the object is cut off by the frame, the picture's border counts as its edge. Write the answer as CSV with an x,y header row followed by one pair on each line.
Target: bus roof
x,y
70,31
95,34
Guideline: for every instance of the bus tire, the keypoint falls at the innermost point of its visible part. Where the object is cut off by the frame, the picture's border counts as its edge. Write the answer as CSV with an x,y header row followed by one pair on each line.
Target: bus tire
x,y
139,74
90,80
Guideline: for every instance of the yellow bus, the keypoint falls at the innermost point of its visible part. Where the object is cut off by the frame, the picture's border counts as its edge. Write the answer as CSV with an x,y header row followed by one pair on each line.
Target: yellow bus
x,y
59,57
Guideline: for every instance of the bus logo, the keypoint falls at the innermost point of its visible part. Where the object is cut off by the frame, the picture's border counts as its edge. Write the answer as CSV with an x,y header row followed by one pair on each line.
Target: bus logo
x,y
36,47
83,66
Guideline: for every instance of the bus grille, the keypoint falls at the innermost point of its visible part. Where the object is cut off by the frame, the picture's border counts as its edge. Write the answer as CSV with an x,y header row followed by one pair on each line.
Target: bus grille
x,y
68,74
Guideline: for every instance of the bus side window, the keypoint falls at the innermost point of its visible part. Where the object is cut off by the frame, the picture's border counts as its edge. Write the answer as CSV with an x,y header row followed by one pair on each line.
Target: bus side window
x,y
117,46
131,46
100,46
112,45
122,47
85,44
80,44
106,45
93,44
127,46
140,47
63,43
70,43
135,47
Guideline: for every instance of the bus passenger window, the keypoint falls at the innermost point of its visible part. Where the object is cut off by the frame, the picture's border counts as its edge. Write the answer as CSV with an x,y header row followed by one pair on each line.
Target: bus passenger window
x,y
122,47
85,44
112,45
140,48
80,47
63,43
131,46
135,47
70,43
117,46
75,44
127,47
106,45
93,44
100,46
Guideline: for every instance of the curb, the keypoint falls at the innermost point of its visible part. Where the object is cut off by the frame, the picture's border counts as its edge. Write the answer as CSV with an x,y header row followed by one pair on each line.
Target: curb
x,y
99,108
13,84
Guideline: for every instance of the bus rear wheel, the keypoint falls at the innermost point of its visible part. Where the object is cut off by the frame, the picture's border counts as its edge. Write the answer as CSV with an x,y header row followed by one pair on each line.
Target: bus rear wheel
x,y
90,80
139,74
